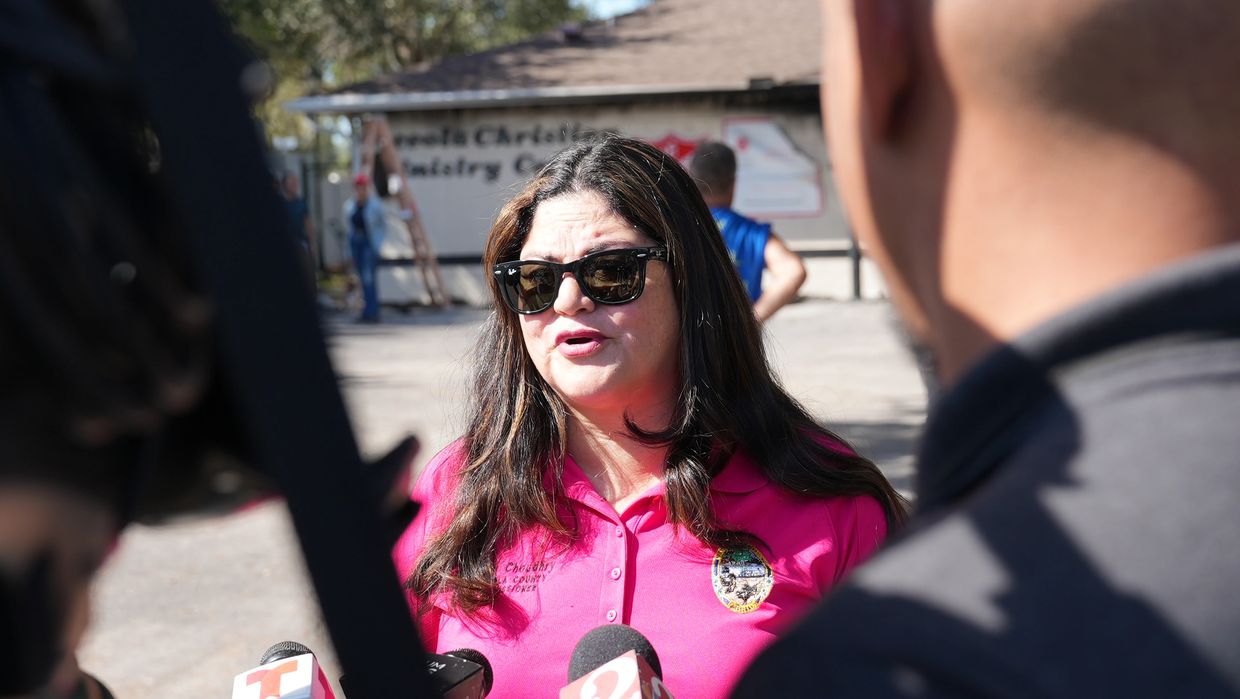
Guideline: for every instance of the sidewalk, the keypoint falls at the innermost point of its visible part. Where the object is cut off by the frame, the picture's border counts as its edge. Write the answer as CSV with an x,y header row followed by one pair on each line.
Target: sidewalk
x,y
182,609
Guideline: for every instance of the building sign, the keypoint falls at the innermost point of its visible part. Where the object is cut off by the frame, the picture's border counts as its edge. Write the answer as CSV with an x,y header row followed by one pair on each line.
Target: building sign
x,y
462,168
436,152
489,153
774,179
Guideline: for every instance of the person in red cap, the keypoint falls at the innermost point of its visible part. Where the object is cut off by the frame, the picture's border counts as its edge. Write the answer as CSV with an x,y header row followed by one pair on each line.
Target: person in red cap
x,y
367,228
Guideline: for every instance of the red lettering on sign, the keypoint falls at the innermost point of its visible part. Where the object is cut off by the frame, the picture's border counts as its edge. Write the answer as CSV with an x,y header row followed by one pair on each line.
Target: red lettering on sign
x,y
679,148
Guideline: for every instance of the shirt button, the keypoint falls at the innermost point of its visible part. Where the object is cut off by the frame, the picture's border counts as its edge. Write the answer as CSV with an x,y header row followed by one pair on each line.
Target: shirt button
x,y
611,615
615,573
619,531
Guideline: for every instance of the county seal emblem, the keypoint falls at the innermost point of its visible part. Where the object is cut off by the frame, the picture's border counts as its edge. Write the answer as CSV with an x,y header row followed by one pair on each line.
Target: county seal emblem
x,y
742,578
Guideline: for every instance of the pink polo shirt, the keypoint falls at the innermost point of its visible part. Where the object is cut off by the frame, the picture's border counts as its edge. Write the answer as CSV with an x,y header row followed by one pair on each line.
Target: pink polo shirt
x,y
707,613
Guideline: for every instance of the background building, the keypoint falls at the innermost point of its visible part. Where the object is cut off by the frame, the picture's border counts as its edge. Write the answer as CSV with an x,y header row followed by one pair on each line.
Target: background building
x,y
470,129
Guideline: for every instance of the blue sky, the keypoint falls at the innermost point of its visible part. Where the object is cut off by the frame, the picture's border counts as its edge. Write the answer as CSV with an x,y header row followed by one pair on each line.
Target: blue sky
x,y
603,9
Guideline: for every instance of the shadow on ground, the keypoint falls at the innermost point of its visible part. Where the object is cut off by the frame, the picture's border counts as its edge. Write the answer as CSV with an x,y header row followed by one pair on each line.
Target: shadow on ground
x,y
342,323
892,444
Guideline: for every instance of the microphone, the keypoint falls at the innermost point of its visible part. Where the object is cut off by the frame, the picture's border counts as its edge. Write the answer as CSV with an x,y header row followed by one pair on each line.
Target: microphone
x,y
288,670
475,657
615,661
459,674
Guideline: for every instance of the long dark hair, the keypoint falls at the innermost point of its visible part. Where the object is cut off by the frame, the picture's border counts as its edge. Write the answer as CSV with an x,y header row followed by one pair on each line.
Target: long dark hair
x,y
728,399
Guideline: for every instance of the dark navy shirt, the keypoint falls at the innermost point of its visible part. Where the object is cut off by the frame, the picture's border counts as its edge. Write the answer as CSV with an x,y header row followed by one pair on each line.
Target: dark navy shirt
x,y
358,219
1077,534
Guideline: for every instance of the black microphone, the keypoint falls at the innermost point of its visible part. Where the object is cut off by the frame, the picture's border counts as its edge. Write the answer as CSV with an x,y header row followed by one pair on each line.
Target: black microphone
x,y
282,650
617,661
459,674
476,657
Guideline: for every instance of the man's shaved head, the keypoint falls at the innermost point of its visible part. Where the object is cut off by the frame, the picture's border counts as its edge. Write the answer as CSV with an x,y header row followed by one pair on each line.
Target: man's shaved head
x,y
1160,71
1005,160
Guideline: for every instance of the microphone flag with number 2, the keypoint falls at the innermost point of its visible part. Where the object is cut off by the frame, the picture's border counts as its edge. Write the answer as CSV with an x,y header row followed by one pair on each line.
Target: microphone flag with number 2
x,y
627,676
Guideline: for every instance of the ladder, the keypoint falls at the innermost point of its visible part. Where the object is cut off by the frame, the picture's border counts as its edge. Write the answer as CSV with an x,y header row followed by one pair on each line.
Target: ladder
x,y
377,142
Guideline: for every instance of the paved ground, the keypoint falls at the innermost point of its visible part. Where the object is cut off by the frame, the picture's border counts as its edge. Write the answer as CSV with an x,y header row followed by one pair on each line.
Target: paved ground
x,y
181,609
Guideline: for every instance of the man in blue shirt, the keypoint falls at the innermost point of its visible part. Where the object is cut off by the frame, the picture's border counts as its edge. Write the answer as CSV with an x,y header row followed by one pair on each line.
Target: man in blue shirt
x,y
365,217
752,245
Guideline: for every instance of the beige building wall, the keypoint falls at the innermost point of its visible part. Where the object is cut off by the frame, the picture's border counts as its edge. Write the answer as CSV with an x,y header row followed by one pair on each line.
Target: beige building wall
x,y
464,165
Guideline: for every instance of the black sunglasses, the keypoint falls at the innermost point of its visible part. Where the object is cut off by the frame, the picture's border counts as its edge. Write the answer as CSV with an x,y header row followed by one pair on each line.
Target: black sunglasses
x,y
610,277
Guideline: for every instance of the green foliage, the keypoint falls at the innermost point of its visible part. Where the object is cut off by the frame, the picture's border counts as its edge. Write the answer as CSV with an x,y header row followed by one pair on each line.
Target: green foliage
x,y
319,44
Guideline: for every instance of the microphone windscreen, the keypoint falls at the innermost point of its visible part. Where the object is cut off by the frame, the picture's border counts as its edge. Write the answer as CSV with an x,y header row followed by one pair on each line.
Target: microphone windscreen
x,y
488,675
607,642
282,650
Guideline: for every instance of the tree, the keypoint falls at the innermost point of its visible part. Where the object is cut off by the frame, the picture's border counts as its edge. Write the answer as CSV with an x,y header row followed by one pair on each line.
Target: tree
x,y
319,44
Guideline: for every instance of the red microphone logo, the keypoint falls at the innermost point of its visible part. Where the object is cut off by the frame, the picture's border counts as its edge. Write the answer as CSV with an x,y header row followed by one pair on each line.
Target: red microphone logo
x,y
270,679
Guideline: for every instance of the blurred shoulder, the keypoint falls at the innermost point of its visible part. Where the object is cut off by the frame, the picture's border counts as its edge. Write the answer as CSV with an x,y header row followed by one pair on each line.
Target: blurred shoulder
x,y
839,649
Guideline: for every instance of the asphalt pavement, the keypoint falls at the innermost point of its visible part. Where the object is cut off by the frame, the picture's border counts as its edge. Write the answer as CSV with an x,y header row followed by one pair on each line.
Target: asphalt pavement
x,y
179,610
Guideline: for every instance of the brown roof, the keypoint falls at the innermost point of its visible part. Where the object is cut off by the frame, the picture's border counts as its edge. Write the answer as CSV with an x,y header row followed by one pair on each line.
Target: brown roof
x,y
668,46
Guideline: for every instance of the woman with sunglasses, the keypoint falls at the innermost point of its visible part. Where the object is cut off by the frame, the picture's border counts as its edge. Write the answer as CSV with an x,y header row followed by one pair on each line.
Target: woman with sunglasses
x,y
629,457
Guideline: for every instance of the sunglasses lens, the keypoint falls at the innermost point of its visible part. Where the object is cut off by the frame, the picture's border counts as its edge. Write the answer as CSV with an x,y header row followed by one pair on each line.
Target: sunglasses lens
x,y
613,277
529,288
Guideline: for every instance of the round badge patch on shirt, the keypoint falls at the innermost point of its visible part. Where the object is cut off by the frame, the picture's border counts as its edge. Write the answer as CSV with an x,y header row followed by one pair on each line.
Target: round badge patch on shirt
x,y
742,578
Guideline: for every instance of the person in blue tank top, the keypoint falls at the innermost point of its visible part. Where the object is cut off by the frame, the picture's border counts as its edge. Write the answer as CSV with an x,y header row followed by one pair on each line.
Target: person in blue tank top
x,y
753,246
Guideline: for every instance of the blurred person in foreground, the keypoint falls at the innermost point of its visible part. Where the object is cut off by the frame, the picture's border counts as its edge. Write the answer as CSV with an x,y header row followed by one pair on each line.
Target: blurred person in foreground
x,y
753,246
104,347
367,221
115,406
629,456
1052,193
106,365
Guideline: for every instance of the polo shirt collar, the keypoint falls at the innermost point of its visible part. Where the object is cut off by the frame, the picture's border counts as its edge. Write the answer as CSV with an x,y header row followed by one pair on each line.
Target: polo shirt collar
x,y
985,416
740,475
577,486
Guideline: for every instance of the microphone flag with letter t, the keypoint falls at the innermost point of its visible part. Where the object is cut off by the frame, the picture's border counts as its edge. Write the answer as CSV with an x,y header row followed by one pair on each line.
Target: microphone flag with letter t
x,y
290,672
